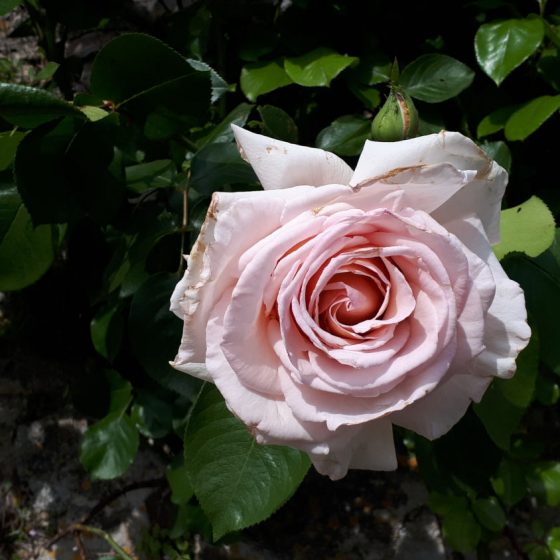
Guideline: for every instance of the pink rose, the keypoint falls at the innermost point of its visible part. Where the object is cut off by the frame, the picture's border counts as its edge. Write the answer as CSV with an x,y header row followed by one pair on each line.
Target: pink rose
x,y
336,303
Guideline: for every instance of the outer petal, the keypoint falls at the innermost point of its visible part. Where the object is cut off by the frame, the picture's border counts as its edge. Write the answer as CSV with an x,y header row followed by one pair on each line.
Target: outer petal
x,y
481,196
235,222
369,446
436,413
506,330
280,164
267,417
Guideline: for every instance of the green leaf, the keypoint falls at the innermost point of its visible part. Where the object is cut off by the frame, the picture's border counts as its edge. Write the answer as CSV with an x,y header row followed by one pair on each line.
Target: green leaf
x,y
443,504
544,481
263,77
94,113
495,121
106,330
48,71
549,67
237,481
461,530
151,415
531,116
368,95
490,514
8,5
178,479
10,201
217,165
504,403
278,124
540,279
435,77
498,151
144,75
109,447
9,142
218,85
547,391
528,228
538,552
64,171
29,107
502,46
318,67
372,69
509,482
223,133
553,542
120,392
345,136
155,333
26,252
156,174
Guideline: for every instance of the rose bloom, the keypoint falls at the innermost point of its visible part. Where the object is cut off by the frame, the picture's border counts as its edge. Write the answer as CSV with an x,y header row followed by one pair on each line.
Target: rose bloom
x,y
336,303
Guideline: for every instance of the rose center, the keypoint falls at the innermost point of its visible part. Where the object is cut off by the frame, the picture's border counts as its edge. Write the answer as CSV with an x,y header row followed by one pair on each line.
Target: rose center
x,y
352,298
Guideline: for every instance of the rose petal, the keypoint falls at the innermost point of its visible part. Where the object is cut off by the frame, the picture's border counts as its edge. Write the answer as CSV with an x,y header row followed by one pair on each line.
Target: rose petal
x,y
436,413
369,446
280,164
506,330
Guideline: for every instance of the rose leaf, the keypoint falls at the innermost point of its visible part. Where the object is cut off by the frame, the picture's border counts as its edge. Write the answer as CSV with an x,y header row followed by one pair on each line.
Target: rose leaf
x,y
435,78
237,481
528,228
502,46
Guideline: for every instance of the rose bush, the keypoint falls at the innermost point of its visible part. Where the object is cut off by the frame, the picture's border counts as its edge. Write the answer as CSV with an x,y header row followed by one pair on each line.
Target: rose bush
x,y
336,303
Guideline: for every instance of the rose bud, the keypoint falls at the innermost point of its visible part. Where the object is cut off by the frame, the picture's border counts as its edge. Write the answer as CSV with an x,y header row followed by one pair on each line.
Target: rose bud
x,y
397,119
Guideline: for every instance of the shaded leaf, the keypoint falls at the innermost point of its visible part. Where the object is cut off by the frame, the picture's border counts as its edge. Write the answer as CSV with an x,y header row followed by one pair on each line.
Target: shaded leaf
x,y
155,333
544,481
109,447
178,479
509,482
461,530
8,5
498,151
278,124
151,415
30,107
504,403
9,142
106,330
490,514
217,165
435,77
345,136
222,132
26,252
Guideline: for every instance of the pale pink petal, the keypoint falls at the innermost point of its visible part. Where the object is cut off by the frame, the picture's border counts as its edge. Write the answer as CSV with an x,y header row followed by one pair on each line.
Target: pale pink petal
x,y
369,446
279,165
436,413
268,418
235,222
506,330
380,158
481,195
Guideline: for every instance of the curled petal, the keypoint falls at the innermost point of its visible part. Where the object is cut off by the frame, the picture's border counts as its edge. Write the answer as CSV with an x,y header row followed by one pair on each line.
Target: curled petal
x,y
279,165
